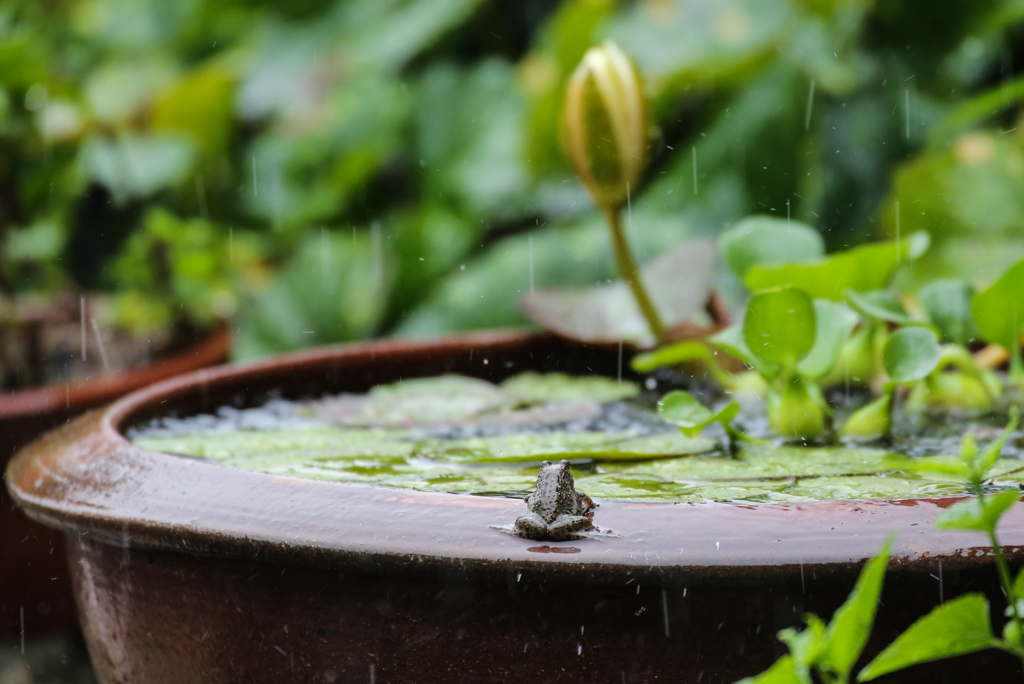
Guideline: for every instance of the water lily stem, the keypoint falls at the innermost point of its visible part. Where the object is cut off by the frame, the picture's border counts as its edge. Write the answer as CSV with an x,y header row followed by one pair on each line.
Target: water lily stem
x,y
630,273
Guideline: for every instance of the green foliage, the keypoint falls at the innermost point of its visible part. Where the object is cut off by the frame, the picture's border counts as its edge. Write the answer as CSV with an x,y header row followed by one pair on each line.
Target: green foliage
x,y
998,315
768,241
911,354
828,652
684,411
176,270
948,305
861,269
779,327
955,628
879,305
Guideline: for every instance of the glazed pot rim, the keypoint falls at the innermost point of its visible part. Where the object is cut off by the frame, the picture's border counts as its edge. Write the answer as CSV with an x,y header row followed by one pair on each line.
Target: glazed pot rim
x,y
87,478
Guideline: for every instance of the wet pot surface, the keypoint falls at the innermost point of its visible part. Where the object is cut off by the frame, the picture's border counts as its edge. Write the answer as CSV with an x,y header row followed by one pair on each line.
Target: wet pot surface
x,y
187,571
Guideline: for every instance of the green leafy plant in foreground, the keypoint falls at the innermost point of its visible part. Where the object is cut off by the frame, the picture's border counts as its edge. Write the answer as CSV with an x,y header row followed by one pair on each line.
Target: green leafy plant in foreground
x,y
828,653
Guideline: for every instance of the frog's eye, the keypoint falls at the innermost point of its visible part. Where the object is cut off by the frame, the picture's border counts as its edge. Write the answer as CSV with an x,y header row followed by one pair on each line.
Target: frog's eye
x,y
545,463
564,463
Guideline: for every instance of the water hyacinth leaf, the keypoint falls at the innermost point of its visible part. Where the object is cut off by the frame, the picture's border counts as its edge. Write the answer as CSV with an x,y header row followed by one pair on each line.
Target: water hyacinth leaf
x,y
861,269
851,624
537,388
955,628
880,305
871,421
684,411
833,325
977,514
911,354
769,241
999,312
948,305
680,284
779,326
731,341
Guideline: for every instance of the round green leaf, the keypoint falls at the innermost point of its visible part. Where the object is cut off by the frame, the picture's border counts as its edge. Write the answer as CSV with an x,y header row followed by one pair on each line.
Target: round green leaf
x,y
999,309
911,354
685,411
879,304
779,326
833,325
948,305
769,241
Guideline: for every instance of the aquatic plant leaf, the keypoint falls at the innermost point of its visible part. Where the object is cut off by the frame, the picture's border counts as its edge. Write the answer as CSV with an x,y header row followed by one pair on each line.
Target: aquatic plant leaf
x,y
948,305
421,401
863,268
779,326
881,305
998,310
911,354
731,341
833,325
871,421
782,672
541,388
558,445
680,283
977,514
850,627
980,463
684,411
769,241
957,627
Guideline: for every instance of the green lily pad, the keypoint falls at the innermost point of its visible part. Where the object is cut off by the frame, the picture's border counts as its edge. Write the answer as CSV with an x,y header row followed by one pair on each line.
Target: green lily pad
x,y
537,388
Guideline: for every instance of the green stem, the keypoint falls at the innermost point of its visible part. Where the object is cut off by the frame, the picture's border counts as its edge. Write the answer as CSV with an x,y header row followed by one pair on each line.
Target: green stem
x,y
1004,575
630,273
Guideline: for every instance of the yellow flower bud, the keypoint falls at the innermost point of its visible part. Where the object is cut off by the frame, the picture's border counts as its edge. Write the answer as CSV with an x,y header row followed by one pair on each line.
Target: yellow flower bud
x,y
606,124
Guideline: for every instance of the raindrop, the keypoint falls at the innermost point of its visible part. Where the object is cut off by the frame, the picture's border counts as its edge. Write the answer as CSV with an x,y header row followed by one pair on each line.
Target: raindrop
x,y
82,308
694,169
531,263
99,343
664,610
810,105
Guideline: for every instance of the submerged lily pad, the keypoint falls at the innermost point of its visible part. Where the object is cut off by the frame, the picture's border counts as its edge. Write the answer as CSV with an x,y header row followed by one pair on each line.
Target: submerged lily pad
x,y
537,388
625,452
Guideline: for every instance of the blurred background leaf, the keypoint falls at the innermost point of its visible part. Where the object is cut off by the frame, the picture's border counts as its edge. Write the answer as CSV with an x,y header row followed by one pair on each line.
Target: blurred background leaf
x,y
330,170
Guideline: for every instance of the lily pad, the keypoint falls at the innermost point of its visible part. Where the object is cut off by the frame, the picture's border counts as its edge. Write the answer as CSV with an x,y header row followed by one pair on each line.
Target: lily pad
x,y
537,388
680,282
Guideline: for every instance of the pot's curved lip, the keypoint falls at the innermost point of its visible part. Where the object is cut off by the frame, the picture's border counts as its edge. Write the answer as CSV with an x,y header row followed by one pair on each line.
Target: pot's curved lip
x,y
87,478
82,394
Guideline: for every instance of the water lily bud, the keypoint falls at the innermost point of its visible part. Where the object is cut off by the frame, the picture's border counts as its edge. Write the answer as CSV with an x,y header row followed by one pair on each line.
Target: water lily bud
x,y
606,124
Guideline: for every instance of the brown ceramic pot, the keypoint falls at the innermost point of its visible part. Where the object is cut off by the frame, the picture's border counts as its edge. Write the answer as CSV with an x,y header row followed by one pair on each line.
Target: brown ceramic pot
x,y
187,571
35,587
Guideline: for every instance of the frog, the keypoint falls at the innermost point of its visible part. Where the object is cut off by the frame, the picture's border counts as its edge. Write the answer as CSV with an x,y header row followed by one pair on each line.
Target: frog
x,y
556,511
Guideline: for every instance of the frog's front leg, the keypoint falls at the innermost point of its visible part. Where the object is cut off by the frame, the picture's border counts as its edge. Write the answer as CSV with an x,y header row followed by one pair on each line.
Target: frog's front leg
x,y
531,526
566,526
